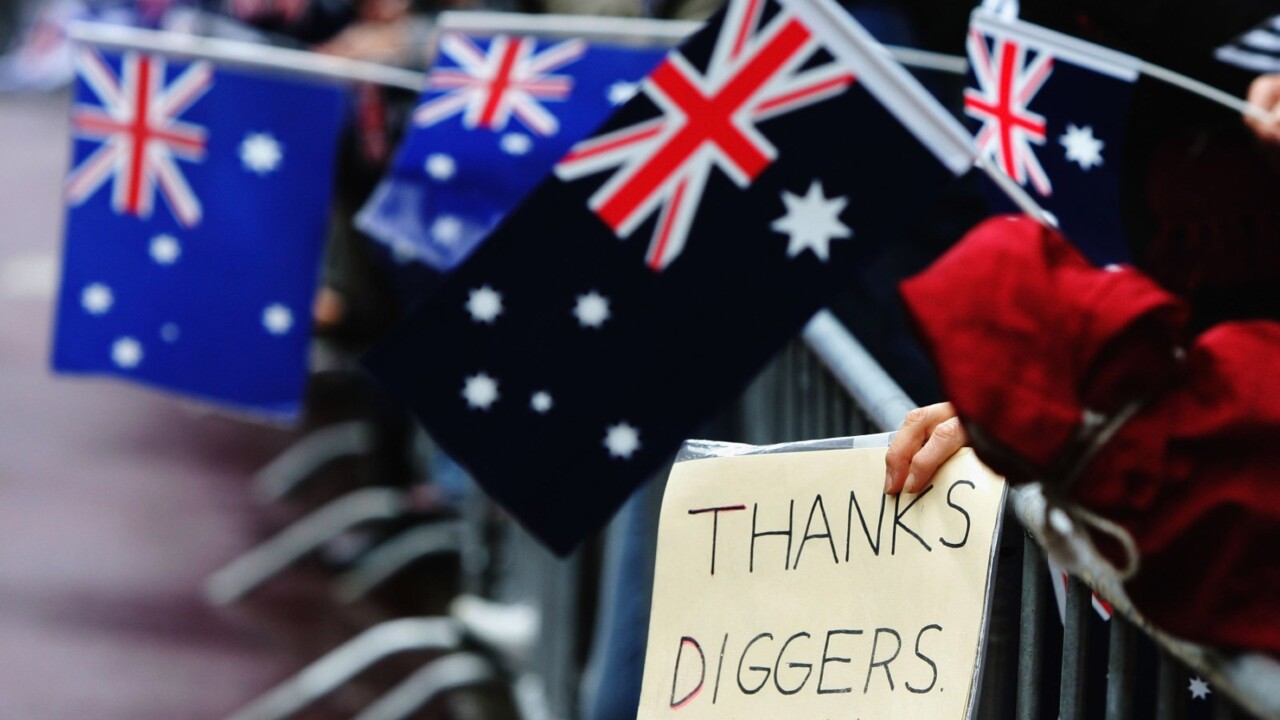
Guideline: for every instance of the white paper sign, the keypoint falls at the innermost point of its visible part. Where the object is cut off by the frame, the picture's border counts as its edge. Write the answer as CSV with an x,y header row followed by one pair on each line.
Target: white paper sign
x,y
789,586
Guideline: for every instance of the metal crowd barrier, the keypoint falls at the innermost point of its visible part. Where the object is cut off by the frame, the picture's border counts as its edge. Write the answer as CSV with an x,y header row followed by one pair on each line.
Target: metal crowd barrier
x,y
825,385
801,397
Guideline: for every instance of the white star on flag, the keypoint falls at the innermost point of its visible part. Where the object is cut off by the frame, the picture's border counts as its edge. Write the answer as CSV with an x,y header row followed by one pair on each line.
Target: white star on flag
x,y
165,249
440,166
96,299
812,222
622,440
516,144
622,91
592,310
541,402
402,251
169,332
260,153
277,319
1082,147
126,353
485,304
446,230
1199,689
480,391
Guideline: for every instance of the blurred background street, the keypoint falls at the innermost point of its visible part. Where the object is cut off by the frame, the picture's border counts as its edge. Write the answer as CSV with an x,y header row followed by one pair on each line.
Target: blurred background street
x,y
115,504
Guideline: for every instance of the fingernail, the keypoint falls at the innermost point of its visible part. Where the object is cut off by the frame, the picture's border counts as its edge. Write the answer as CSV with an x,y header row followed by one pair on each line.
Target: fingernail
x,y
910,484
888,481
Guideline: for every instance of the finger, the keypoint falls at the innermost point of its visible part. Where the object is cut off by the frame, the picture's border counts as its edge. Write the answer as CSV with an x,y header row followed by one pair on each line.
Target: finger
x,y
1264,93
916,429
947,438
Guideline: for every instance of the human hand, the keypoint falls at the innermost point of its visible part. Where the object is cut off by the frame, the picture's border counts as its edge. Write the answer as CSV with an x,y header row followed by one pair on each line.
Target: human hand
x,y
929,436
1264,93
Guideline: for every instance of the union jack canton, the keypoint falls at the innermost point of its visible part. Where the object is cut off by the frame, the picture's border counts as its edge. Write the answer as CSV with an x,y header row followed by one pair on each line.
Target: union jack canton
x,y
709,119
509,79
137,122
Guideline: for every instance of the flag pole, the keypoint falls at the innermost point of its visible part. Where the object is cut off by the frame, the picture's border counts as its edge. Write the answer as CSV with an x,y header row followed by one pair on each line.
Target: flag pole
x,y
928,60
1015,192
244,54
331,67
622,29
1207,92
590,27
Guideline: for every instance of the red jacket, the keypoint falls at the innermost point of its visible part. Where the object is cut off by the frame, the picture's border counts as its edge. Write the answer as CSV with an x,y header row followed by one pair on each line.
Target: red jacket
x,y
1027,335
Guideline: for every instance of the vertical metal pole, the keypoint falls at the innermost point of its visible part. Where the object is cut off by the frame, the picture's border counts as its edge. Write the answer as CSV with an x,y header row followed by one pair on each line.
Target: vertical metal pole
x,y
1075,648
802,387
785,389
819,400
755,407
1169,689
840,411
1031,633
804,392
1120,670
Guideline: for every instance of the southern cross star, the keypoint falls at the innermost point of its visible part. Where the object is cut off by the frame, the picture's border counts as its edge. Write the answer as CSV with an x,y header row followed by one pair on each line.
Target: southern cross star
x,y
812,221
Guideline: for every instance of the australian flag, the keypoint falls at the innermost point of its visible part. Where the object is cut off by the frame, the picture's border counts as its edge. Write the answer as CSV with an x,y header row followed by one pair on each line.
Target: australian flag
x,y
669,257
198,201
496,115
1050,110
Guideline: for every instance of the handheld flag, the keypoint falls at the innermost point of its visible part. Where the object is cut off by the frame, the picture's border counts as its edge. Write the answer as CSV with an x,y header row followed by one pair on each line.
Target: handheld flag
x,y
496,115
1257,49
642,286
197,203
1050,110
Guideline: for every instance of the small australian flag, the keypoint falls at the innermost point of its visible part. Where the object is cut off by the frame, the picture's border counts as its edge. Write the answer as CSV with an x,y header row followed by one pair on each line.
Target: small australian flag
x,y
669,257
1050,111
496,115
197,205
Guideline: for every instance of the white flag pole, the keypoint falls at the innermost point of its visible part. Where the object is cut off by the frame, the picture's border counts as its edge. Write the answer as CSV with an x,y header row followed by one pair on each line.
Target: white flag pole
x,y
331,67
928,60
671,32
647,31
1090,53
244,54
1016,193
1207,91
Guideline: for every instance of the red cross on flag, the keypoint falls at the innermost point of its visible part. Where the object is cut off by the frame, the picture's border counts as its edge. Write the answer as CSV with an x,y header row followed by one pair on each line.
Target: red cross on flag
x,y
1006,84
141,135
489,87
709,120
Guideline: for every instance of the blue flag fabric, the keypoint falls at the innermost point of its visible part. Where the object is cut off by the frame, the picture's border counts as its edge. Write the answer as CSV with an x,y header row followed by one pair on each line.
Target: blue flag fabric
x,y
496,115
1050,110
198,202
671,255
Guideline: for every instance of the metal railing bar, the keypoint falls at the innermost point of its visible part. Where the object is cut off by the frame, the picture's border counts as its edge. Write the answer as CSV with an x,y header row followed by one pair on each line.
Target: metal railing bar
x,y
1075,648
1169,688
883,401
1120,669
1031,632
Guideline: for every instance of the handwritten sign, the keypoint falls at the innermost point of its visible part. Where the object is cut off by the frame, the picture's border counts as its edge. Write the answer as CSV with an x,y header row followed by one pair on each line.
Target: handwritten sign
x,y
790,586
